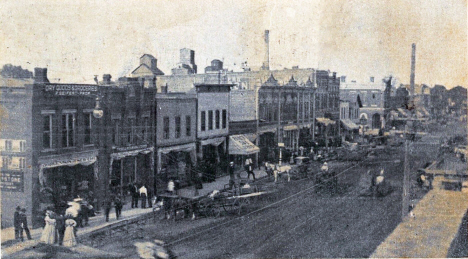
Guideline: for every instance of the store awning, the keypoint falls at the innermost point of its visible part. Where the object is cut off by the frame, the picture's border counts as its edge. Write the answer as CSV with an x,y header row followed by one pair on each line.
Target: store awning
x,y
403,112
290,127
213,141
350,125
325,121
240,145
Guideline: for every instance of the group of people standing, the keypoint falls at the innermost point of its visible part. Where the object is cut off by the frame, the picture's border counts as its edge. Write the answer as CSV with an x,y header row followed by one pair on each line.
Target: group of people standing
x,y
139,193
59,229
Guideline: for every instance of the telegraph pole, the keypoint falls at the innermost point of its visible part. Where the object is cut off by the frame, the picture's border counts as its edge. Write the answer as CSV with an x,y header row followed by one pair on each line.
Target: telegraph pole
x,y
409,124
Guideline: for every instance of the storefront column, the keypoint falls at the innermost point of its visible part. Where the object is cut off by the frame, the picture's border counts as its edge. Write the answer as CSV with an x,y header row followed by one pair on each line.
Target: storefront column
x,y
122,161
135,171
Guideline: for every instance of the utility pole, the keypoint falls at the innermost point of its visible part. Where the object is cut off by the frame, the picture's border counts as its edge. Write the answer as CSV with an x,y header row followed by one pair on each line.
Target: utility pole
x,y
409,124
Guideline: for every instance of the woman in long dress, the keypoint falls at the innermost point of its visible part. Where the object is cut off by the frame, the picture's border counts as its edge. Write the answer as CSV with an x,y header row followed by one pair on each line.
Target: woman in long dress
x,y
69,239
48,234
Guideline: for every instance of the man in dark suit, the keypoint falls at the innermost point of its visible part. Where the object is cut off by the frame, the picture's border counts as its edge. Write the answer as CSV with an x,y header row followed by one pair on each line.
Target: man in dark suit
x,y
60,228
17,223
24,224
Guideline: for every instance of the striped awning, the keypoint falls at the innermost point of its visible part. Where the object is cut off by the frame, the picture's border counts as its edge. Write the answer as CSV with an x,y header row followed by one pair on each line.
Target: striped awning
x,y
350,125
325,121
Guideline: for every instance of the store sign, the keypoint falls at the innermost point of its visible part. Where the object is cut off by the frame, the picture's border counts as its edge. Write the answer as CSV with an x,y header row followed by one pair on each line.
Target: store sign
x,y
71,89
12,181
69,162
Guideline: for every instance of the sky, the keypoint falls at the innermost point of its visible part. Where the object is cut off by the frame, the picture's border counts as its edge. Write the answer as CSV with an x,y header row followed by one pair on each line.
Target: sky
x,y
78,39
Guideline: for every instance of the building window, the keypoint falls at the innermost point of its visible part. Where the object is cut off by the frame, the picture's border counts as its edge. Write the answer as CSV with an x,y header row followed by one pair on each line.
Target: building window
x,y
87,128
177,127
131,132
217,119
68,130
8,145
22,146
47,132
188,126
210,120
203,121
22,163
166,127
116,132
6,162
224,119
145,130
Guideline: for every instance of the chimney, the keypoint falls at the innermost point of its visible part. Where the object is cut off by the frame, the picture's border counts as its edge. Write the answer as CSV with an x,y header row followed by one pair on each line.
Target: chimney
x,y
334,75
40,75
343,79
106,79
164,89
266,62
371,79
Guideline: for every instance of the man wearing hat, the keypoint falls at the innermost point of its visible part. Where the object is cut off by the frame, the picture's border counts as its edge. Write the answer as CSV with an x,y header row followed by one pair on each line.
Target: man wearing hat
x,y
17,223
24,224
231,175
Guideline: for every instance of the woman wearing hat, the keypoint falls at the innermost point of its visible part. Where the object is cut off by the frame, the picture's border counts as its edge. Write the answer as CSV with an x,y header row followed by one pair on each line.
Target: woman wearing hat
x,y
48,234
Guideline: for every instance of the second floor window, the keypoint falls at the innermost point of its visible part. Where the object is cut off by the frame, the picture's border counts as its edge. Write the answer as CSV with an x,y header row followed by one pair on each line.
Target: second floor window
x,y
47,132
22,146
188,126
87,128
68,130
203,121
116,132
177,127
210,120
166,128
217,119
8,145
145,129
131,131
224,119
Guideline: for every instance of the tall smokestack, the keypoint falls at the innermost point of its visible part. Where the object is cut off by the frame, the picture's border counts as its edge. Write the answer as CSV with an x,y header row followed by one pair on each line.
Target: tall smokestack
x,y
266,62
413,67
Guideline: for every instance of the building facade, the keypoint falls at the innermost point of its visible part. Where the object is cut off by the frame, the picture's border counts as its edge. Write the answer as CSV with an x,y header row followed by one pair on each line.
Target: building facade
x,y
176,135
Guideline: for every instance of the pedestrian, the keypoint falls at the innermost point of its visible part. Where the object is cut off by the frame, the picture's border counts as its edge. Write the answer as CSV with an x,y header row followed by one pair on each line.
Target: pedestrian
x,y
24,224
48,233
60,228
85,212
249,168
232,182
107,207
170,186
118,206
143,194
79,219
69,238
176,186
135,195
17,223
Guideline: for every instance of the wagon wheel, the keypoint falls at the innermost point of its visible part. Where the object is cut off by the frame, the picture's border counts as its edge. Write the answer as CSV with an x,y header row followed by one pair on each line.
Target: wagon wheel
x,y
242,203
216,211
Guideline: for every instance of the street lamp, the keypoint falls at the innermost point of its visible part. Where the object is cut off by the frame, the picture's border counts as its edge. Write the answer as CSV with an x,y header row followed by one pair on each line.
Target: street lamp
x,y
98,112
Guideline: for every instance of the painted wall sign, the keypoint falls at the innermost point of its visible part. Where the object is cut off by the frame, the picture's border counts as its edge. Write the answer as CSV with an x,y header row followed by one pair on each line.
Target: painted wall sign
x,y
12,181
71,89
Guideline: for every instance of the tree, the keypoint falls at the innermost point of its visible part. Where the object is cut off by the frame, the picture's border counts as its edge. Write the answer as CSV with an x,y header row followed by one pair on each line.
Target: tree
x,y
10,71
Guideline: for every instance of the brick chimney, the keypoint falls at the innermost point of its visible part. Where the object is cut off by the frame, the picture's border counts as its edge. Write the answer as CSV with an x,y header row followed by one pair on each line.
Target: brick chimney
x,y
106,79
371,79
40,75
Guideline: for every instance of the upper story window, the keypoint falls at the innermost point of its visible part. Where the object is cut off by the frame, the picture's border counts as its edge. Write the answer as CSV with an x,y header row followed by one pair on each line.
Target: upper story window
x,y
224,119
132,131
68,130
217,119
88,119
145,130
203,121
116,132
210,120
188,126
166,128
8,145
22,146
177,127
47,139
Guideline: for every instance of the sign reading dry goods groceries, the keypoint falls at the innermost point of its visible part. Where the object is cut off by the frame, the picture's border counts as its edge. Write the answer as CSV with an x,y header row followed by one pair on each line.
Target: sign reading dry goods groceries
x,y
71,89
12,181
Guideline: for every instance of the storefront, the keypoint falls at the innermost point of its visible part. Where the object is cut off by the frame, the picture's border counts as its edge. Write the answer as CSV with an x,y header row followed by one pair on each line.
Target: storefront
x,y
268,145
176,162
350,130
213,157
131,165
63,178
326,131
